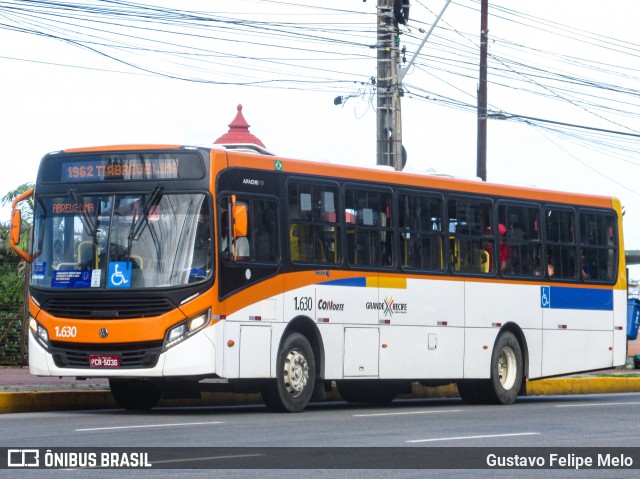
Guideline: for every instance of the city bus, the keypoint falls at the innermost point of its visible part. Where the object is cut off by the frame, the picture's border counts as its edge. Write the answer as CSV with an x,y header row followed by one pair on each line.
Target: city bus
x,y
174,270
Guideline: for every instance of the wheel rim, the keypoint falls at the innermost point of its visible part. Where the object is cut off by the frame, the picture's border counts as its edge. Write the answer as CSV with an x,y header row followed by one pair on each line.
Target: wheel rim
x,y
296,372
507,368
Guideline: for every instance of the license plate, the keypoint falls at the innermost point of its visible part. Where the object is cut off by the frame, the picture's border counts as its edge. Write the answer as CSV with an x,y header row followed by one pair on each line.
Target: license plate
x,y
104,361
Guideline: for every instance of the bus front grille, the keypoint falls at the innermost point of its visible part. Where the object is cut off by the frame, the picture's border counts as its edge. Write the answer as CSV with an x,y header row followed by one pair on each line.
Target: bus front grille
x,y
81,308
140,355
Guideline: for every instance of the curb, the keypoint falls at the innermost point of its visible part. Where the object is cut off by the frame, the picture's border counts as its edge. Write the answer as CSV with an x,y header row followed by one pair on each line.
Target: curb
x,y
38,401
564,386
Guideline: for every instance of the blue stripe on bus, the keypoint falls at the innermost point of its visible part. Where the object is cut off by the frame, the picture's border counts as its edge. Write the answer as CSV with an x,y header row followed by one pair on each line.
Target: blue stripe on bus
x,y
560,297
354,282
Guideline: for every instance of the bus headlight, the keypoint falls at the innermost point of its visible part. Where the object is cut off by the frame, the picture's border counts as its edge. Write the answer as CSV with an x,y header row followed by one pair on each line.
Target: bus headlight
x,y
183,330
39,333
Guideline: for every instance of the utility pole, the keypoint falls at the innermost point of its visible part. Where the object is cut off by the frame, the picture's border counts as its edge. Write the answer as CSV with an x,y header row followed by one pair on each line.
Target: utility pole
x,y
481,169
389,125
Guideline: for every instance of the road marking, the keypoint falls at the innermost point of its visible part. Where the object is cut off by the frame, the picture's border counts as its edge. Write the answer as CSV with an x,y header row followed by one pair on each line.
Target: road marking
x,y
600,404
459,438
142,426
405,413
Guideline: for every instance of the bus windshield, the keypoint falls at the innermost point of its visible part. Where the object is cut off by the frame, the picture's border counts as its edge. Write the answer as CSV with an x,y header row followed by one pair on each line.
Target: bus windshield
x,y
133,241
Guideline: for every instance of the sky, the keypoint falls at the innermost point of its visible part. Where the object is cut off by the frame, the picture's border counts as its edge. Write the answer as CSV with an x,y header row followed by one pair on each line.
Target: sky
x,y
109,82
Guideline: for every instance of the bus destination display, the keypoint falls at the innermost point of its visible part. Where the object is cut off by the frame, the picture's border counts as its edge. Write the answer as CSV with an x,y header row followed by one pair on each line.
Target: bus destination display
x,y
131,167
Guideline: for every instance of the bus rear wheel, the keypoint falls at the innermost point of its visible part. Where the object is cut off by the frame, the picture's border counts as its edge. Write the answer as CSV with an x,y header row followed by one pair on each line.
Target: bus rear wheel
x,y
506,370
506,375
295,376
135,394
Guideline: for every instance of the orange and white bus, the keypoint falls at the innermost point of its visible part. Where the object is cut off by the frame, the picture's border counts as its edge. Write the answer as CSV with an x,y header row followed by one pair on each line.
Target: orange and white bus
x,y
171,269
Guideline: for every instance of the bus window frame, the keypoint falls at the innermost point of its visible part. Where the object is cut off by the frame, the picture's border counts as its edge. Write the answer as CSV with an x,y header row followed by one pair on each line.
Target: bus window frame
x,y
615,247
539,206
433,194
576,224
245,199
340,221
484,198
371,187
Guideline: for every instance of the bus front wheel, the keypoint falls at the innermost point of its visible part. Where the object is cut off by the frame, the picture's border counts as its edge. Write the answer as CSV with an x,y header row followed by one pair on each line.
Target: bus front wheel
x,y
135,394
293,386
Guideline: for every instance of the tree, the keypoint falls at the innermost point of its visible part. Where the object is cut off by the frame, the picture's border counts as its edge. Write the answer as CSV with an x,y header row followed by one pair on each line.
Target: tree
x,y
26,208
12,286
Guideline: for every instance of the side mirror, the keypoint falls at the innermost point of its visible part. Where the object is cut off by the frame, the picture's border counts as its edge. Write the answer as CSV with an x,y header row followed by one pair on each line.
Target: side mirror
x,y
16,226
240,220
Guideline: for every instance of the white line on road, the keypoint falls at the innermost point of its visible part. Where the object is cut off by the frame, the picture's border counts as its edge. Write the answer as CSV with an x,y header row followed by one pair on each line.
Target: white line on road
x,y
405,413
600,404
142,426
474,437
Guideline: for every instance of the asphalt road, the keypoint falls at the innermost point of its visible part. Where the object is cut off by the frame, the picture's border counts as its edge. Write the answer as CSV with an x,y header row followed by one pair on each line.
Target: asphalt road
x,y
599,421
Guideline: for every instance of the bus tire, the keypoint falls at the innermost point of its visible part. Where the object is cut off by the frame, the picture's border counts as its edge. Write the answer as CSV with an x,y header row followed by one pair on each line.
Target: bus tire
x,y
135,394
506,370
295,379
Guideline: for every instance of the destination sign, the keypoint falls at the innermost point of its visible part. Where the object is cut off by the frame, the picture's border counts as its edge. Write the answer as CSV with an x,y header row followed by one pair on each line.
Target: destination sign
x,y
128,167
95,169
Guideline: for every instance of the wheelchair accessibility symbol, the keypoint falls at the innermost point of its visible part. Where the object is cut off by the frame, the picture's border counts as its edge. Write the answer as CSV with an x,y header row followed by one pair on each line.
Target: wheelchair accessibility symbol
x,y
119,274
545,297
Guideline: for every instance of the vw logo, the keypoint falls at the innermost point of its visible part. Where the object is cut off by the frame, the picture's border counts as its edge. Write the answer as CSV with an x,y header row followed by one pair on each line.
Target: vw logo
x,y
103,333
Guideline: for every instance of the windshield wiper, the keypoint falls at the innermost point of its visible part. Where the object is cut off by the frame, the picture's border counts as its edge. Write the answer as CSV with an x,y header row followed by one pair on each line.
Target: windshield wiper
x,y
87,221
139,223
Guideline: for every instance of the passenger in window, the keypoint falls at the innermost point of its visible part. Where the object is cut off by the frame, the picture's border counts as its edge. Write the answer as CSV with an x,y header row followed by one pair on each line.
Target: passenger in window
x,y
537,268
585,270
488,247
506,252
551,269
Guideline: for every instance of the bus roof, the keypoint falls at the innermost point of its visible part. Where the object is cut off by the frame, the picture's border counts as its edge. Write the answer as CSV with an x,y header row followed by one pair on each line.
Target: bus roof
x,y
411,179
375,174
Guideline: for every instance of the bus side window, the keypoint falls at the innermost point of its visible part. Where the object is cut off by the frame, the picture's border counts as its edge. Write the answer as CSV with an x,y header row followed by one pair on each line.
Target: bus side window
x,y
255,240
521,244
561,244
313,227
597,246
421,235
234,245
265,231
471,240
369,222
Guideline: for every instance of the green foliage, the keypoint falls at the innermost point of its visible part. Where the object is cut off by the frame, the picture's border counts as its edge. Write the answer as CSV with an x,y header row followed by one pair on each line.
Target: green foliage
x,y
11,290
12,285
26,208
